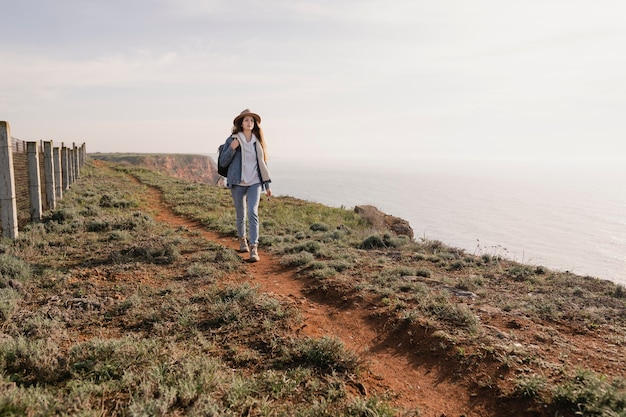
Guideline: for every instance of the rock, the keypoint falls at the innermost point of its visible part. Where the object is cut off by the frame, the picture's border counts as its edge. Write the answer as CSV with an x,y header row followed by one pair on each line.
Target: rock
x,y
380,220
460,293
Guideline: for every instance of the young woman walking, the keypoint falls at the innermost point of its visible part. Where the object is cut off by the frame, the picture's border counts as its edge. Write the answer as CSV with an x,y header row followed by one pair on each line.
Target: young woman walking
x,y
244,154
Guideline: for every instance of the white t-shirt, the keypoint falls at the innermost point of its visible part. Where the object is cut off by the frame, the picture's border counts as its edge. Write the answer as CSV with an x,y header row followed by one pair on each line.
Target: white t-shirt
x,y
249,171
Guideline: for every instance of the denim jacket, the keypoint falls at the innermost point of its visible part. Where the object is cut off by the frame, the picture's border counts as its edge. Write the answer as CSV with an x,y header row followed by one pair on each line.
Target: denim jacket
x,y
233,157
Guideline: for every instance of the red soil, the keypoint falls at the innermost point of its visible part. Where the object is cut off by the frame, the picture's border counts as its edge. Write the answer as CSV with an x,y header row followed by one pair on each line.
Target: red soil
x,y
416,386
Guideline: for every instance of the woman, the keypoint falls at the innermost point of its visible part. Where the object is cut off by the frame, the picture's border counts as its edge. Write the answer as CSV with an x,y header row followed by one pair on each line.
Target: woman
x,y
244,154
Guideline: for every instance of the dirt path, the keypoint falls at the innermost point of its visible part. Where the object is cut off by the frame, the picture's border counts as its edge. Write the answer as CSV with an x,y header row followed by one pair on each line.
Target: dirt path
x,y
415,388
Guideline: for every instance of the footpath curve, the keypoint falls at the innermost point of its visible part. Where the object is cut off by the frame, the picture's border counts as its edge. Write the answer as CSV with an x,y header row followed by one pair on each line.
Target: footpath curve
x,y
413,388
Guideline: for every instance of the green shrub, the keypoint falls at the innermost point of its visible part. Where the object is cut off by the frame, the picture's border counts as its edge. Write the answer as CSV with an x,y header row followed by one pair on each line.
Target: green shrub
x,y
326,354
384,241
423,272
340,265
60,216
373,242
590,394
9,302
107,201
521,273
319,227
16,400
531,386
620,291
439,306
149,252
199,270
403,271
297,259
101,360
32,362
309,246
456,265
370,406
98,226
14,268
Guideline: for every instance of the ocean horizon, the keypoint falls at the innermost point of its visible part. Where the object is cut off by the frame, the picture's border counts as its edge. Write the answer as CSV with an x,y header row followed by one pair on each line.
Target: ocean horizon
x,y
566,217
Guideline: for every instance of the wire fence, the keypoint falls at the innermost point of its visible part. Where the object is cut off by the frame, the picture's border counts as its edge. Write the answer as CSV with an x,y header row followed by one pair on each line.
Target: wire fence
x,y
33,176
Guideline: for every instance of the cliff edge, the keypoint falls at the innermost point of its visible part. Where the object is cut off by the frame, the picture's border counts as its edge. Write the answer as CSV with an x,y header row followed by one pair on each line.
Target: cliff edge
x,y
197,168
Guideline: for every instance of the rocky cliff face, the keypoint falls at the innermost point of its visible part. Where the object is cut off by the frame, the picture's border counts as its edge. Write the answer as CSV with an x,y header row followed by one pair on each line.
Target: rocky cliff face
x,y
381,220
198,168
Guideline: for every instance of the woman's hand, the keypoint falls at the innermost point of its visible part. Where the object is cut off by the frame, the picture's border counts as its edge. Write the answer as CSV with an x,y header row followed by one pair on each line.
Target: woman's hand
x,y
269,194
234,143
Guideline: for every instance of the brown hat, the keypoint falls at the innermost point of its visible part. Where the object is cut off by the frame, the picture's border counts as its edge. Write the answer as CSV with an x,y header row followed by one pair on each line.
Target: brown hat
x,y
245,113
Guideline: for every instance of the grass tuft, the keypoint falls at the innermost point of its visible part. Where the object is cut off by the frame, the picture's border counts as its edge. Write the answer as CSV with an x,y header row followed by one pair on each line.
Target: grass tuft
x,y
105,311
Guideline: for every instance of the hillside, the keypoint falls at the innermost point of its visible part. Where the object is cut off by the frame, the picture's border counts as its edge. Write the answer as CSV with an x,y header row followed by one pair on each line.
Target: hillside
x,y
129,299
197,168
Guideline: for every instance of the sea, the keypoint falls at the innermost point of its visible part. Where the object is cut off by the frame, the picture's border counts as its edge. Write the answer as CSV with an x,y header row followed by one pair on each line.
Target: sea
x,y
564,216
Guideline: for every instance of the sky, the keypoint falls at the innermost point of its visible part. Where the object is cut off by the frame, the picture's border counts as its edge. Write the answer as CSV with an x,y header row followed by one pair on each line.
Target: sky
x,y
371,80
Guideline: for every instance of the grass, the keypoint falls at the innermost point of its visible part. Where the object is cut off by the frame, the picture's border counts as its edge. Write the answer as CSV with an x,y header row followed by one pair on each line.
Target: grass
x,y
120,315
104,310
589,394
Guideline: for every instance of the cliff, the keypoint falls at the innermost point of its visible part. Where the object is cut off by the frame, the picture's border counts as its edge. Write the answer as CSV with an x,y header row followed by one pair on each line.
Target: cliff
x,y
382,220
197,168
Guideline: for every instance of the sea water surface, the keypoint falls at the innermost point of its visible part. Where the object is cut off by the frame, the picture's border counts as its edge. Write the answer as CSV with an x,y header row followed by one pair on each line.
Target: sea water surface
x,y
567,217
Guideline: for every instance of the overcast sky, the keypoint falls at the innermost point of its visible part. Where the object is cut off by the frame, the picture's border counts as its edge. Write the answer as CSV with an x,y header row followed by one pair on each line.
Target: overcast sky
x,y
359,78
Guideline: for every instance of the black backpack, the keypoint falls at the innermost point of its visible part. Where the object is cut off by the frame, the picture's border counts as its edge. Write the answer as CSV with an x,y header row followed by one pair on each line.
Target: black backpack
x,y
223,169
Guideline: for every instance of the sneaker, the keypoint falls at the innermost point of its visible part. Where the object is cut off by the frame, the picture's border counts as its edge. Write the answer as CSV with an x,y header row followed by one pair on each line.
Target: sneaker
x,y
243,245
254,254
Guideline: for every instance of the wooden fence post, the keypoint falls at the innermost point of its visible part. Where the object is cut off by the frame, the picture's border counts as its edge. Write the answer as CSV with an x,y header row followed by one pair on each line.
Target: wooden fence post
x,y
65,165
83,154
34,181
70,166
8,201
76,164
49,175
56,154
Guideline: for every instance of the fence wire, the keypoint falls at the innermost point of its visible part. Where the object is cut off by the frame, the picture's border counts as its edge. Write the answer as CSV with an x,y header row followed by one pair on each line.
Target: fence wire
x,y
71,167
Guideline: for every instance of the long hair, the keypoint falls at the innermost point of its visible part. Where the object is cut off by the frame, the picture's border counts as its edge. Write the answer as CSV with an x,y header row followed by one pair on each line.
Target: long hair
x,y
258,132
